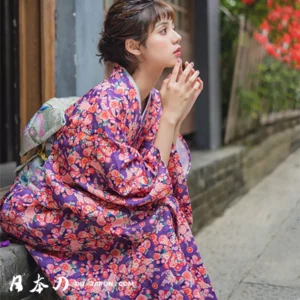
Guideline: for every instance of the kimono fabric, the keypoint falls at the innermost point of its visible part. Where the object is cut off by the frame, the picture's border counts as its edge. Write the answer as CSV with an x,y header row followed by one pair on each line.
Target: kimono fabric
x,y
103,210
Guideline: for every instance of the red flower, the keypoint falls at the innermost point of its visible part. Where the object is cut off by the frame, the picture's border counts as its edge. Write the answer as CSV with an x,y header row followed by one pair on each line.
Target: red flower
x,y
274,15
270,3
265,26
260,38
279,31
287,38
270,49
248,2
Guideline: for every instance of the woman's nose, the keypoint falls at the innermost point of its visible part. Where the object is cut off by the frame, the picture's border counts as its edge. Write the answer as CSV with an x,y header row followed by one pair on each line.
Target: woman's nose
x,y
178,37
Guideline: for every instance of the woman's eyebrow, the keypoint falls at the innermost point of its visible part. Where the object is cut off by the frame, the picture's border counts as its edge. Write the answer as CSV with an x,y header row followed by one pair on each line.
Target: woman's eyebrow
x,y
162,23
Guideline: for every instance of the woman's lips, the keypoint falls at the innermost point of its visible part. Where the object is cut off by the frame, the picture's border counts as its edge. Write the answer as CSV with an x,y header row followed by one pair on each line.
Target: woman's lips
x,y
178,50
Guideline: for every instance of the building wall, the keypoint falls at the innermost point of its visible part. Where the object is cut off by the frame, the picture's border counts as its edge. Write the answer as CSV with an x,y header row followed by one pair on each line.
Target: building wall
x,y
78,24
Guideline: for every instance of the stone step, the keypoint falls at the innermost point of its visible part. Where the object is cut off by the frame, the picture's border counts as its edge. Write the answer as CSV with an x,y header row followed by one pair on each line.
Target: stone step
x,y
16,260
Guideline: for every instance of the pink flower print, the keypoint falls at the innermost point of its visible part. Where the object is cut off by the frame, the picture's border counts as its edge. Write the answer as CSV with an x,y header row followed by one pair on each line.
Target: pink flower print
x,y
41,126
75,245
123,269
163,239
132,94
31,132
66,267
87,120
67,224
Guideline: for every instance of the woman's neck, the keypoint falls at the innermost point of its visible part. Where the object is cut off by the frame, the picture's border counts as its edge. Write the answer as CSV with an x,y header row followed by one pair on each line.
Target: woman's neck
x,y
145,79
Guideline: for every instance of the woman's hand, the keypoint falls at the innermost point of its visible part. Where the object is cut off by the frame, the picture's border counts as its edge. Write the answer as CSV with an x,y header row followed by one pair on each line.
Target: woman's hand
x,y
179,92
195,96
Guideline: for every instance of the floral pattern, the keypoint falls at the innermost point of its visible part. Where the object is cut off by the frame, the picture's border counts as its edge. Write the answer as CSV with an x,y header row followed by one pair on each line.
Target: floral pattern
x,y
104,208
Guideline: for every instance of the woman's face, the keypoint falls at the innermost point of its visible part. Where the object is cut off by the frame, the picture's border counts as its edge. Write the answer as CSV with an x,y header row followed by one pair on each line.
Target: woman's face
x,y
161,45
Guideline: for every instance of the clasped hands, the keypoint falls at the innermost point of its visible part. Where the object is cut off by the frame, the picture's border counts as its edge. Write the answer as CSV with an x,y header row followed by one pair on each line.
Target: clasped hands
x,y
199,89
195,89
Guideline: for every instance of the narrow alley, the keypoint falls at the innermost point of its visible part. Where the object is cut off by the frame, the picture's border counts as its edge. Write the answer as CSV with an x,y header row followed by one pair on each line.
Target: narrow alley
x,y
253,250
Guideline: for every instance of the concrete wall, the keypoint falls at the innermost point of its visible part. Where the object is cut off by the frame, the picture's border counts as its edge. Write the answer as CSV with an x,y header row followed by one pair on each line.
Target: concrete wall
x,y
77,68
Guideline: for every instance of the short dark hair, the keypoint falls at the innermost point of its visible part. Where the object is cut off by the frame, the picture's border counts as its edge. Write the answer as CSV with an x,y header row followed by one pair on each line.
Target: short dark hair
x,y
130,19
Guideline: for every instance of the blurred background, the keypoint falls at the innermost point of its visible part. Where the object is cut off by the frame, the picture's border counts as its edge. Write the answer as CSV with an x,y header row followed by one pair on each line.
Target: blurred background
x,y
248,52
244,125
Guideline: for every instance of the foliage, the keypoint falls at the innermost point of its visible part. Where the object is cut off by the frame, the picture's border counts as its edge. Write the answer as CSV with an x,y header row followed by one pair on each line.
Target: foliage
x,y
278,90
277,23
229,33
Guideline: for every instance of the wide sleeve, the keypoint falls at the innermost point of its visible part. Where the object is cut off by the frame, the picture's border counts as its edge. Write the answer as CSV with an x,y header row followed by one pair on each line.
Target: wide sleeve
x,y
126,171
103,156
184,154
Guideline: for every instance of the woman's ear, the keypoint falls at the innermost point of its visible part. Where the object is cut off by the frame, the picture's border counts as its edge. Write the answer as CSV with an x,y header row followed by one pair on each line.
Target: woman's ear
x,y
132,47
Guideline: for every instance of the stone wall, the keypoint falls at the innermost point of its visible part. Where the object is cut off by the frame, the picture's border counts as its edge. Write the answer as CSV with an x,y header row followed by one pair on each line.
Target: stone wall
x,y
217,178
15,260
215,184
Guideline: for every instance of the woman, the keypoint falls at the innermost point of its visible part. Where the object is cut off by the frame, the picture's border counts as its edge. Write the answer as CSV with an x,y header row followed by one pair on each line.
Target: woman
x,y
109,209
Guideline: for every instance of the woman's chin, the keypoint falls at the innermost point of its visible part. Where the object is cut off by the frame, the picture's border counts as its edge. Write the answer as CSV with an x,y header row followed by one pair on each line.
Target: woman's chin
x,y
169,63
172,62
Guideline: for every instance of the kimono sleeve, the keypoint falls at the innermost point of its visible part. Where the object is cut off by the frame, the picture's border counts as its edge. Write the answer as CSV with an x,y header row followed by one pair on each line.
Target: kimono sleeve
x,y
184,154
179,162
122,167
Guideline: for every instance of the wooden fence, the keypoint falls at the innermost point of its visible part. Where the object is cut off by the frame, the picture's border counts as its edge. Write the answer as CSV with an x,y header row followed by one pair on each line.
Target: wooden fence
x,y
249,55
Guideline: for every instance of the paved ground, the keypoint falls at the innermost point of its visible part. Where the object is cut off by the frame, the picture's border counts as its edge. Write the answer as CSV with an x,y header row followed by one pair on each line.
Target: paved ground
x,y
253,250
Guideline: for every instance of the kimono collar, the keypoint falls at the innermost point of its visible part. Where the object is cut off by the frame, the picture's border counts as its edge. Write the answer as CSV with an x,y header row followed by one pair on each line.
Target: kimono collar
x,y
123,72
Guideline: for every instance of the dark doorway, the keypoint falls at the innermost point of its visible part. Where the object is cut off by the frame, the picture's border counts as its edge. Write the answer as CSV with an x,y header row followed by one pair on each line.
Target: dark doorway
x,y
9,82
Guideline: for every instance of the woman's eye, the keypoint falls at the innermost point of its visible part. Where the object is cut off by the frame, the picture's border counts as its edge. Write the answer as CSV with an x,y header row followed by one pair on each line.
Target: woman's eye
x,y
165,29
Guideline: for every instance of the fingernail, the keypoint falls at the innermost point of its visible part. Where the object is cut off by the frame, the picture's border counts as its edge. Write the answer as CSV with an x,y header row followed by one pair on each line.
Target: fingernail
x,y
192,64
178,59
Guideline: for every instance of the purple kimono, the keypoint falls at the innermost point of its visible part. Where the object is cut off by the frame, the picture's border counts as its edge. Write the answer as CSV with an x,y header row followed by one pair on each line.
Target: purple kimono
x,y
103,210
